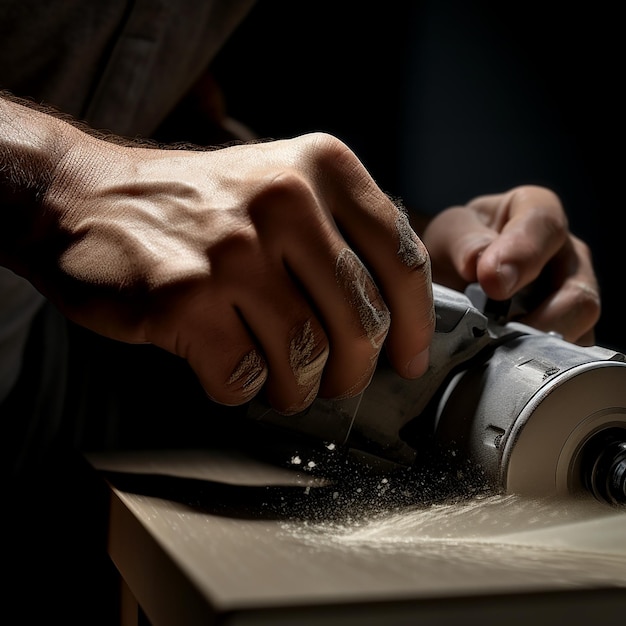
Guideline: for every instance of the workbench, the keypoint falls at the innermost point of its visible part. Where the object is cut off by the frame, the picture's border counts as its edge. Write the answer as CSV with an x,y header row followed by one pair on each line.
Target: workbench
x,y
220,537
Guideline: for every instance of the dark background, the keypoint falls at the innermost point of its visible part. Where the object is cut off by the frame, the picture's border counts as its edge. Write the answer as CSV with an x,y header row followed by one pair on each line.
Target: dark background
x,y
444,100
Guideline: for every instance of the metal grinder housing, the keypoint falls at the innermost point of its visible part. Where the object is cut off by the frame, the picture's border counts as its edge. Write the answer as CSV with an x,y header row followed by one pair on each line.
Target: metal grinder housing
x,y
538,415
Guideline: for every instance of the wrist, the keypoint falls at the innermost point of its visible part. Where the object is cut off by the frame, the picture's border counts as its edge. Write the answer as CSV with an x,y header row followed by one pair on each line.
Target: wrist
x,y
33,144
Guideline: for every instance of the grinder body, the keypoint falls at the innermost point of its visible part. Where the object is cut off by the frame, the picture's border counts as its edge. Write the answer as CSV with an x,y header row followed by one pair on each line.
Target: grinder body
x,y
535,413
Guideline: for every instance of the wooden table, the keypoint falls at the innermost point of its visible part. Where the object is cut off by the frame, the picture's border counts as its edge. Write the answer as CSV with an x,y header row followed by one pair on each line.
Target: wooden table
x,y
217,537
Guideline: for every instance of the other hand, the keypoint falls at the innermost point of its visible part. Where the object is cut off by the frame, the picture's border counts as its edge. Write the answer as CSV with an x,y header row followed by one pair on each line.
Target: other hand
x,y
511,241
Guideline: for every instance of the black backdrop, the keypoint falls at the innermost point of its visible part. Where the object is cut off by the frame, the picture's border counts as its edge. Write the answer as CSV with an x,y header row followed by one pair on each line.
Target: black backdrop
x,y
447,99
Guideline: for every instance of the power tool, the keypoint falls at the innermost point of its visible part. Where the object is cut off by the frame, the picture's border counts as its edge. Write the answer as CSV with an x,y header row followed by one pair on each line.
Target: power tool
x,y
538,415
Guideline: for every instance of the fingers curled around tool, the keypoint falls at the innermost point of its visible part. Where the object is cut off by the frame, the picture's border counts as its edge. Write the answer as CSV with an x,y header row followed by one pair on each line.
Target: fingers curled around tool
x,y
217,344
378,231
571,304
296,366
411,303
455,239
531,228
572,312
331,309
389,285
358,341
363,295
292,340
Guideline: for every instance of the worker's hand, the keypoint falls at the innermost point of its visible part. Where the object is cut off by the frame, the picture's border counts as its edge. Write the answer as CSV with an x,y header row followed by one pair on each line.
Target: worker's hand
x,y
279,263
507,242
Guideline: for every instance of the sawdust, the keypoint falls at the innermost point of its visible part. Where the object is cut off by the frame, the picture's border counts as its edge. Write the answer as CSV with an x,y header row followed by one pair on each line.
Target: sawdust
x,y
479,531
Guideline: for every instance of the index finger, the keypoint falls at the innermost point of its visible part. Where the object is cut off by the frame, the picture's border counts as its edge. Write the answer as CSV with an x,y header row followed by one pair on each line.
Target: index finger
x,y
532,228
379,232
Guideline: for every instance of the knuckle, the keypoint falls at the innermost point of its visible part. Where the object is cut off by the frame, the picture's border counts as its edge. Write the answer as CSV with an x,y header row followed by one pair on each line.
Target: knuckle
x,y
281,198
231,258
330,154
546,202
325,145
582,247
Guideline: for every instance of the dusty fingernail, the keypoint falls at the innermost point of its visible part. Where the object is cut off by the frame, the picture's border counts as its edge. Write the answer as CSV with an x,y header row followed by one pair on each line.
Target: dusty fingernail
x,y
305,357
250,375
509,276
373,313
419,364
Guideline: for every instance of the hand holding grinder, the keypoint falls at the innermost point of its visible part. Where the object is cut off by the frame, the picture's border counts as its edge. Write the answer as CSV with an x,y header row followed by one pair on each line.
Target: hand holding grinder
x,y
538,415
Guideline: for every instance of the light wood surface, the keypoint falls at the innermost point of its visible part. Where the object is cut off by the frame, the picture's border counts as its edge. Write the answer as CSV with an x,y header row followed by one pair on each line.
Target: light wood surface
x,y
208,537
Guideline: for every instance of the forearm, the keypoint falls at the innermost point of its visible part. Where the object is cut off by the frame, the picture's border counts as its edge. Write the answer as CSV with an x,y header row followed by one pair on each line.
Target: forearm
x,y
32,144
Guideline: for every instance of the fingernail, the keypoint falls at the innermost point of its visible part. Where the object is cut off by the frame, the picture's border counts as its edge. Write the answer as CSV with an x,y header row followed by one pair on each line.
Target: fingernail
x,y
364,296
249,375
418,364
508,277
307,356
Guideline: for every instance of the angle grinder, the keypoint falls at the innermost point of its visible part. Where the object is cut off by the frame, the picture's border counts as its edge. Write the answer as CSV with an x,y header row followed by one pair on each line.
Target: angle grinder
x,y
539,416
